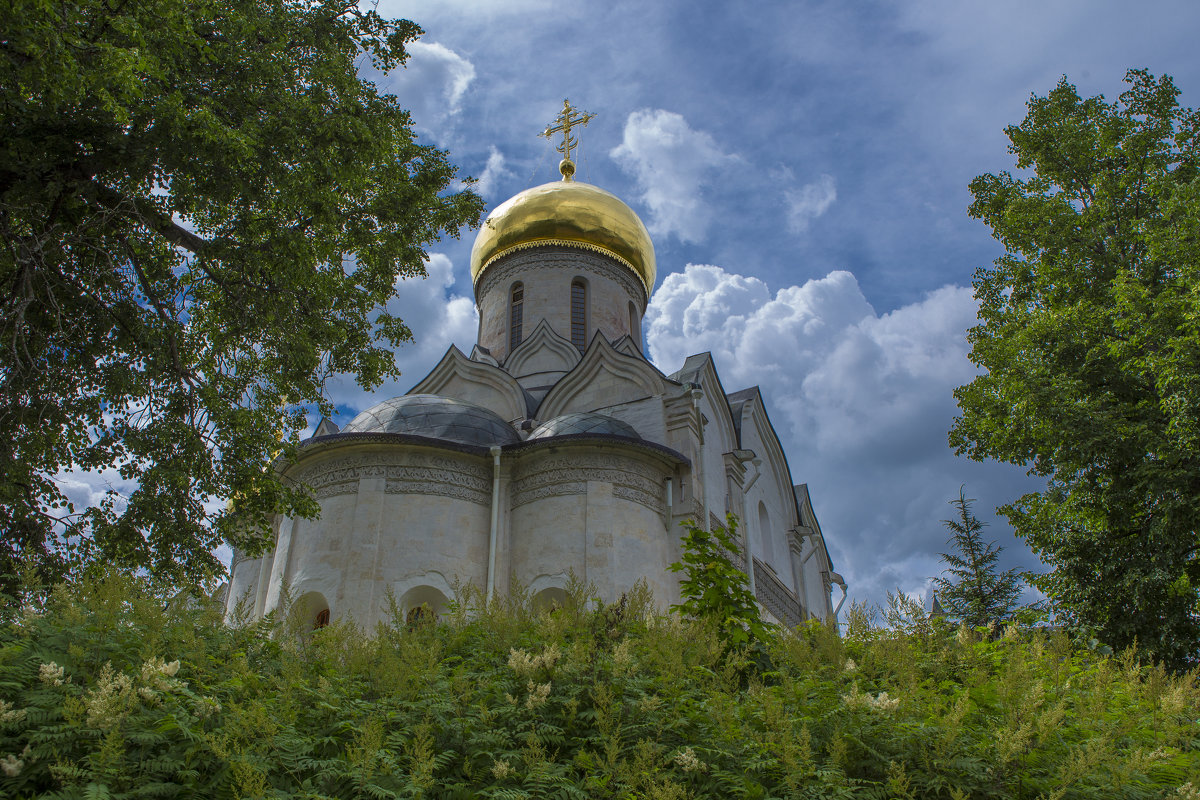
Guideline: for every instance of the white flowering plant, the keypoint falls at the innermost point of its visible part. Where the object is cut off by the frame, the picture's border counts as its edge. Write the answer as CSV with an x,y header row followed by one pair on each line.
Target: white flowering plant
x,y
110,690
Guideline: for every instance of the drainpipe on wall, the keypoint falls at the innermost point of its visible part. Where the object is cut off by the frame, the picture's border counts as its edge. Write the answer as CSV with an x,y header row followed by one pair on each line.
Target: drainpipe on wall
x,y
757,474
840,581
491,573
264,580
812,537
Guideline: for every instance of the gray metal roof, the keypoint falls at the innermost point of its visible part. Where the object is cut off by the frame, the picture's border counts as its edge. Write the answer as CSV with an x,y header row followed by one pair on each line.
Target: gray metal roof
x,y
435,417
583,422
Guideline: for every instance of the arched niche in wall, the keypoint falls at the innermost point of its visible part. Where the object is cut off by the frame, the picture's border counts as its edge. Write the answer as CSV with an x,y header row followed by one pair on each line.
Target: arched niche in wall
x,y
764,528
422,604
310,611
548,599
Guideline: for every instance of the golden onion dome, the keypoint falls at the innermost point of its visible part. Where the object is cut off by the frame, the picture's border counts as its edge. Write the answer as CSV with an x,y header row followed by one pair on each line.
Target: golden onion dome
x,y
565,213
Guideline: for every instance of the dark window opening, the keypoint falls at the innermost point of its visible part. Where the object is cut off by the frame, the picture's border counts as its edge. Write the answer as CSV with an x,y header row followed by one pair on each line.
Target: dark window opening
x,y
514,316
579,315
322,619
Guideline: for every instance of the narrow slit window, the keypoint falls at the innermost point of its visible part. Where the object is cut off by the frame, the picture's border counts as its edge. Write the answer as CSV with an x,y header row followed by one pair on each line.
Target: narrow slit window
x,y
579,314
514,316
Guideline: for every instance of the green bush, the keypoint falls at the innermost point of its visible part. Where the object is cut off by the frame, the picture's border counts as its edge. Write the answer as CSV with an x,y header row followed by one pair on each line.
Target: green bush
x,y
113,689
713,589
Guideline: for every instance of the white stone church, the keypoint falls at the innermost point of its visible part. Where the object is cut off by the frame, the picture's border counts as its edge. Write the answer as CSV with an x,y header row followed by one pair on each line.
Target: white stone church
x,y
554,447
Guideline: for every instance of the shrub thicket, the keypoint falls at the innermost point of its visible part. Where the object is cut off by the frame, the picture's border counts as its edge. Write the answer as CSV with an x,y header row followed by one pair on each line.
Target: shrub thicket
x,y
111,690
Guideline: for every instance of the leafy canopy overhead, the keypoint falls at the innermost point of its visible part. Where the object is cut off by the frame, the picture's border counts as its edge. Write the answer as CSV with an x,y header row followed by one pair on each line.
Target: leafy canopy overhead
x,y
1089,341
975,591
203,209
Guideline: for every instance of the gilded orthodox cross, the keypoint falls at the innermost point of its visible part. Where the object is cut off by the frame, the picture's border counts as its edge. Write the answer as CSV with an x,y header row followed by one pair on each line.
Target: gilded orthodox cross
x,y
567,118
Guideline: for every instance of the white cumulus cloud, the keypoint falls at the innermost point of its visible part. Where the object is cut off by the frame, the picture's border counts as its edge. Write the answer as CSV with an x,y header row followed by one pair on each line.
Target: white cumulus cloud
x,y
672,164
861,402
431,86
807,202
437,316
493,171
744,326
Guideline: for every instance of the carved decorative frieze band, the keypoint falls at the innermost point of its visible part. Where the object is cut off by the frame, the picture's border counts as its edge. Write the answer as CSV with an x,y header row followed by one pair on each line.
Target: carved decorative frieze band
x,y
650,501
776,597
443,488
569,474
735,557
403,473
334,489
560,258
551,490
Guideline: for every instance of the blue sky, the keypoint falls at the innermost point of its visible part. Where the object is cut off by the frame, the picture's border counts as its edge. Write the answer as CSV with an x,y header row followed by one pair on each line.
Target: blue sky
x,y
803,169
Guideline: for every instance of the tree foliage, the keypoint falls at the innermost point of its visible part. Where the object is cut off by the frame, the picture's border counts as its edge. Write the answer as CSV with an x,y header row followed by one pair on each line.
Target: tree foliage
x,y
976,591
111,691
203,209
713,588
1089,344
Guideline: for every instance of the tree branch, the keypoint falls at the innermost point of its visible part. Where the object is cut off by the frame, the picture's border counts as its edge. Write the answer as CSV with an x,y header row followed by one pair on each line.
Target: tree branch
x,y
168,320
146,214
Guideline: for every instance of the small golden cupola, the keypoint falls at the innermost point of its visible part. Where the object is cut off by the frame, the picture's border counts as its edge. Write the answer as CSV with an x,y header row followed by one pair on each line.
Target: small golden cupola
x,y
566,213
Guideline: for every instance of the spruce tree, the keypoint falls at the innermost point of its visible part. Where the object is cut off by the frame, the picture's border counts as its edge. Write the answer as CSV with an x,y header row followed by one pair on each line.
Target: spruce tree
x,y
974,591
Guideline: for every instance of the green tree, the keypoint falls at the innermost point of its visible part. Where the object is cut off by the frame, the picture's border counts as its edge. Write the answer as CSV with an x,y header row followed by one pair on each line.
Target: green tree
x,y
1089,344
715,590
203,209
976,591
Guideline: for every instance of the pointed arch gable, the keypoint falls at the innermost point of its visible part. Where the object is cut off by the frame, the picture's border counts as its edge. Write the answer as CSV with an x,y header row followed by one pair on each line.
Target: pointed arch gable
x,y
483,354
756,425
326,427
542,351
628,346
808,518
700,370
478,382
604,377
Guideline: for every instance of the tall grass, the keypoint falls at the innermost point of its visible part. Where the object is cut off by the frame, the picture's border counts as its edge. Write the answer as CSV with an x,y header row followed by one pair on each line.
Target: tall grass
x,y
112,689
